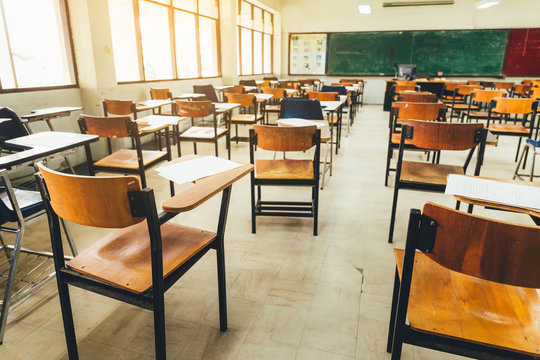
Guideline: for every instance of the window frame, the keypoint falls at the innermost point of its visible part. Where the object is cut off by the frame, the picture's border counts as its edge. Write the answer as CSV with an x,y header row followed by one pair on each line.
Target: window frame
x,y
172,37
262,32
69,48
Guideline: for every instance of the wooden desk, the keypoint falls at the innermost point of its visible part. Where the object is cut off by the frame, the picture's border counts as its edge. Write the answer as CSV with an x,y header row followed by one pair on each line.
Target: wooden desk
x,y
33,147
202,189
189,96
533,213
153,123
46,114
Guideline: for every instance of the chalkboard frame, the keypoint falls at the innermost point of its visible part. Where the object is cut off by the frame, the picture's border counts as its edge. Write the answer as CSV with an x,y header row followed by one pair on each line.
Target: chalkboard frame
x,y
501,76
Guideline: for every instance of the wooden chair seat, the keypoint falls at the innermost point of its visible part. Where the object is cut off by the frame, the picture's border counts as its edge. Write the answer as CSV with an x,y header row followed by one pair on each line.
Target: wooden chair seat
x,y
272,108
465,307
245,118
284,169
427,173
127,158
508,128
462,106
483,114
197,132
123,257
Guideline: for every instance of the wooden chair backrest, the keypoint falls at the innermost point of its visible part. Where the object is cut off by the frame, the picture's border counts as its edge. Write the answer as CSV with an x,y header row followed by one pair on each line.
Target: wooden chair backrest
x,y
270,78
434,135
284,138
342,84
467,89
405,82
108,127
400,88
118,107
266,83
451,85
418,110
484,248
244,100
160,94
513,106
289,84
486,95
522,89
474,82
535,93
307,82
353,81
278,93
100,201
323,96
420,96
194,109
238,89
527,81
503,84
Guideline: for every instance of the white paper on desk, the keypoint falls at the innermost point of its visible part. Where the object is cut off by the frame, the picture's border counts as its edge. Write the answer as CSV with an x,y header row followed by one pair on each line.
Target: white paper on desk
x,y
299,122
191,170
523,196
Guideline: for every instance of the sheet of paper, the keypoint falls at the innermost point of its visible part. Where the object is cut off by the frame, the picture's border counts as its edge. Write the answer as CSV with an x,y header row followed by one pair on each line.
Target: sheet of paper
x,y
523,196
191,170
47,139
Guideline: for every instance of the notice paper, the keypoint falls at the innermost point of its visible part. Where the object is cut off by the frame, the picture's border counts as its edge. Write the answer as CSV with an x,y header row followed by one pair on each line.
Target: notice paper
x,y
523,196
198,168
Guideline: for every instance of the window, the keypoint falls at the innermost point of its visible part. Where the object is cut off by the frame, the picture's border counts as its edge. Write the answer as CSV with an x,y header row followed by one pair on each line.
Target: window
x,y
255,37
164,39
35,47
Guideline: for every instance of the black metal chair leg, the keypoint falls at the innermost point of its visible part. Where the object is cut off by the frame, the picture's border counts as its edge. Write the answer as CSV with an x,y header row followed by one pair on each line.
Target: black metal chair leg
x,y
67,318
393,214
159,328
194,147
222,287
393,311
517,151
253,217
316,210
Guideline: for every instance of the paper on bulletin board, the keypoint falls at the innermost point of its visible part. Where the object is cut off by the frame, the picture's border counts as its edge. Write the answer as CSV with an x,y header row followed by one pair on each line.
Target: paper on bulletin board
x,y
307,54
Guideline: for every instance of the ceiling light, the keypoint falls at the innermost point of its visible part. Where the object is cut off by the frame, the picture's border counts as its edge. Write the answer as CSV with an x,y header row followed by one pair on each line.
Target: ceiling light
x,y
483,4
364,7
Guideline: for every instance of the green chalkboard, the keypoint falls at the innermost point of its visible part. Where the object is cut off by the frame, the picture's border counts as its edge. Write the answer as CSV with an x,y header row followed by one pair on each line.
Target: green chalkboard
x,y
452,52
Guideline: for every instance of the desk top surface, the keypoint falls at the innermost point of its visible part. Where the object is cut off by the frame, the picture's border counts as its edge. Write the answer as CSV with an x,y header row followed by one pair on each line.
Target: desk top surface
x,y
45,113
189,96
43,144
152,123
321,124
152,104
204,188
224,107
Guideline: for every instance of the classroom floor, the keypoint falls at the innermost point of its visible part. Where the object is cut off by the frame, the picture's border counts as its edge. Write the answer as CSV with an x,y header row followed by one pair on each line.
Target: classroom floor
x,y
290,295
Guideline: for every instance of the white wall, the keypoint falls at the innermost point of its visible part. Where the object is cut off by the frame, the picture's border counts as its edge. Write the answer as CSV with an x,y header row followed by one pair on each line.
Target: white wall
x,y
343,15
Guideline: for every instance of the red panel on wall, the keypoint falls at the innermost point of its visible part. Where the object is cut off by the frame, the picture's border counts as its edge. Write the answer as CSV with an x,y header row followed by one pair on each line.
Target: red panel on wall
x,y
523,53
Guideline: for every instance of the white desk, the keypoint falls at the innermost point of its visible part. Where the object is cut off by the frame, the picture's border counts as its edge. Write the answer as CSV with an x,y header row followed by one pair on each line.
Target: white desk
x,y
189,96
46,114
152,104
153,123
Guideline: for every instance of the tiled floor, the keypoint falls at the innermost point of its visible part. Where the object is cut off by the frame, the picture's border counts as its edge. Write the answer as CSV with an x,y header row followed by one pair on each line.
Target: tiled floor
x,y
290,295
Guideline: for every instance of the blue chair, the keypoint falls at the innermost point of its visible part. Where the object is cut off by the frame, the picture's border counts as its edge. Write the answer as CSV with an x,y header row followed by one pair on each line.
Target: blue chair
x,y
340,89
301,108
10,129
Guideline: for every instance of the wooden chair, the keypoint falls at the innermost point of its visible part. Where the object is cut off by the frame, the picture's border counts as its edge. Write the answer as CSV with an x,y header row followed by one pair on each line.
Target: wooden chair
x,y
521,90
481,100
434,136
273,105
399,114
140,260
405,82
460,100
208,91
125,161
323,96
418,97
286,172
162,94
470,290
237,89
474,82
503,109
270,78
448,92
249,83
251,114
505,85
195,134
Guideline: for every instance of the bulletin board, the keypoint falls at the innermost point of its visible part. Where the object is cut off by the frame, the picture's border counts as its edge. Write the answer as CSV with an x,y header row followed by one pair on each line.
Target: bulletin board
x,y
307,54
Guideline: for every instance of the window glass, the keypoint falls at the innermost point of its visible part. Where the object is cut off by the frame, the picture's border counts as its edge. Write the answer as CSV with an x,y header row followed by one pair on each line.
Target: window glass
x,y
268,25
126,60
38,47
208,8
7,78
257,53
245,14
190,5
257,19
186,44
267,54
156,47
246,52
209,55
